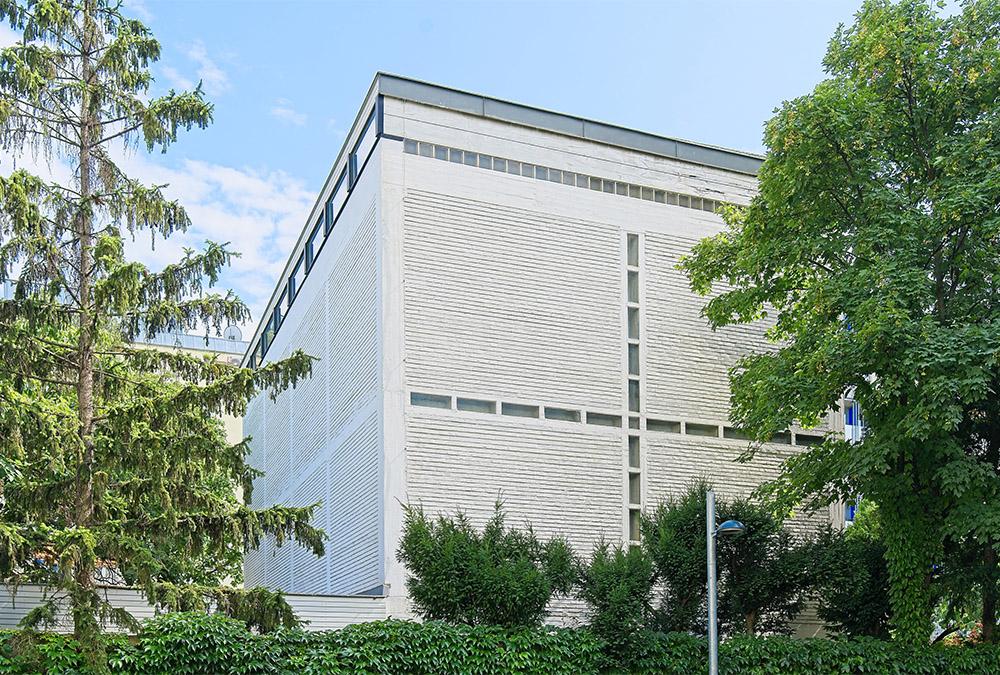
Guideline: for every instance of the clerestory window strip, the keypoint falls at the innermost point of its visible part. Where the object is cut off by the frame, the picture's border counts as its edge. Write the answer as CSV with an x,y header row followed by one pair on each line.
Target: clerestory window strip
x,y
553,175
595,418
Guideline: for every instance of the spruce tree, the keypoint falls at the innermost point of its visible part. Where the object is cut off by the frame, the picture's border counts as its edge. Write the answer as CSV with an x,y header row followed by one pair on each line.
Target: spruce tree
x,y
113,462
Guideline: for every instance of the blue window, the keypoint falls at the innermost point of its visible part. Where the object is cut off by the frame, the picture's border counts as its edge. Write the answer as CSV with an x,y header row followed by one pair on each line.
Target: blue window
x,y
336,201
295,281
265,338
311,248
277,310
852,415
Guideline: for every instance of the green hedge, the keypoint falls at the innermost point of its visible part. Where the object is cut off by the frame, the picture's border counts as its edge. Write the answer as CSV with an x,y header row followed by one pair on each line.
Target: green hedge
x,y
681,654
195,644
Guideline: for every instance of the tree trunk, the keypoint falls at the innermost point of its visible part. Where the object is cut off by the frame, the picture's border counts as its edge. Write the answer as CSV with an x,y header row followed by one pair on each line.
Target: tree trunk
x,y
909,556
83,574
990,594
751,623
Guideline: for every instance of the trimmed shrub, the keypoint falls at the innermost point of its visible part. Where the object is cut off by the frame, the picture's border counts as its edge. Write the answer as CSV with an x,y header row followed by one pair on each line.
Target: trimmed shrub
x,y
762,575
193,643
678,654
850,579
436,647
500,577
617,585
198,645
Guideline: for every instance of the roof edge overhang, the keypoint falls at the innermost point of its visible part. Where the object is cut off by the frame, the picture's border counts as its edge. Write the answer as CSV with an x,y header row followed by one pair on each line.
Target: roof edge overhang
x,y
409,89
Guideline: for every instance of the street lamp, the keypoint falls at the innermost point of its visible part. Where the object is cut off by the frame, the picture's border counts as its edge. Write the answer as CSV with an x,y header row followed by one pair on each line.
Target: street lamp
x,y
730,529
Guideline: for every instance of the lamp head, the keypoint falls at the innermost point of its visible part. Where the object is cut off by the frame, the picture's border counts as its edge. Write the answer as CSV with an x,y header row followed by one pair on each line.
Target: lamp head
x,y
731,529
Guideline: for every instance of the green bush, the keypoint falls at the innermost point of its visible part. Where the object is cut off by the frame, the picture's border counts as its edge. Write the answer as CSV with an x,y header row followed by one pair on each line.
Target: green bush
x,y
673,535
762,579
850,578
500,577
213,645
680,654
29,652
617,585
192,643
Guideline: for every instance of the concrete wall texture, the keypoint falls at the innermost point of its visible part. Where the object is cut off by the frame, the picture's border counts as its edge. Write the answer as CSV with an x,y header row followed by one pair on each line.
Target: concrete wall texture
x,y
485,272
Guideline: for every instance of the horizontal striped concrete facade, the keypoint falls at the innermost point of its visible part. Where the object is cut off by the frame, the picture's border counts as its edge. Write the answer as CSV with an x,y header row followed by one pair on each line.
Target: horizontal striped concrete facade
x,y
320,613
503,283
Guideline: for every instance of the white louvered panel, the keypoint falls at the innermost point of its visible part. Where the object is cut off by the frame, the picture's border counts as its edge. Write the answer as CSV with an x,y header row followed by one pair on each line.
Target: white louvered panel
x,y
320,612
304,562
278,448
566,611
563,478
353,331
254,427
510,301
254,561
316,450
263,556
279,564
310,433
354,554
253,568
332,612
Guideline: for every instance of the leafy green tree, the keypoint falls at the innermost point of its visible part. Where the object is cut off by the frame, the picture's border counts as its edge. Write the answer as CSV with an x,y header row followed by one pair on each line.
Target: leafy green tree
x,y
113,459
873,243
762,574
617,585
850,579
673,535
499,577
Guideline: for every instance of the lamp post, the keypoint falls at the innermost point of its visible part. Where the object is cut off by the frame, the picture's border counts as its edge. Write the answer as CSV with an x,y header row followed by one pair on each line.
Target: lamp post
x,y
730,528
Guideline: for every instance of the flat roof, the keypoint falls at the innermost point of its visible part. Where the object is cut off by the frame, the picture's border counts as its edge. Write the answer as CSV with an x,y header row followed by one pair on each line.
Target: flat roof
x,y
469,103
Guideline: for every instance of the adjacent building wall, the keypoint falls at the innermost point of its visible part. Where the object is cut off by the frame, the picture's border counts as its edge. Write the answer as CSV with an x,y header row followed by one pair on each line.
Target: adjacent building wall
x,y
320,442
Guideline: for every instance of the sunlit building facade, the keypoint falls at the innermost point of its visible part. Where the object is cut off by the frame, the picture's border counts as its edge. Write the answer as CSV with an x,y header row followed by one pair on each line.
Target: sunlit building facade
x,y
492,294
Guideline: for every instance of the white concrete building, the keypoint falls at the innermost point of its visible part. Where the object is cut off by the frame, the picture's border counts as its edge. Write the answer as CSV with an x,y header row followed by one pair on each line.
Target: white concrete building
x,y
492,293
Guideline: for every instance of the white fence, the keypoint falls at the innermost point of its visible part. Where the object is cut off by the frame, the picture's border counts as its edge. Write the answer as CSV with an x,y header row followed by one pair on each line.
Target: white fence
x,y
322,612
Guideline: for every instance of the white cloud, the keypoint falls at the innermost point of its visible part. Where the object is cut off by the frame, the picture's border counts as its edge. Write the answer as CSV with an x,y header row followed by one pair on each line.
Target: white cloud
x,y
177,81
8,37
139,9
332,125
213,78
258,211
283,110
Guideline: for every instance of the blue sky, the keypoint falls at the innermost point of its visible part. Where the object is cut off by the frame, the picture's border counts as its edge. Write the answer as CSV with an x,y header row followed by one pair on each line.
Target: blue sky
x,y
287,78
296,71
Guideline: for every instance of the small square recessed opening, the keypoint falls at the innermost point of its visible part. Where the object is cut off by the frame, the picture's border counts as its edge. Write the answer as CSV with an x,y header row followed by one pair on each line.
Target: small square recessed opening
x,y
562,414
519,410
430,400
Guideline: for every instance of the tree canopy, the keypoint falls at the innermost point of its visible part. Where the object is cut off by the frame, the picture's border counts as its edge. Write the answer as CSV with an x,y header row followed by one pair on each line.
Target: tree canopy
x,y
113,463
762,574
874,244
